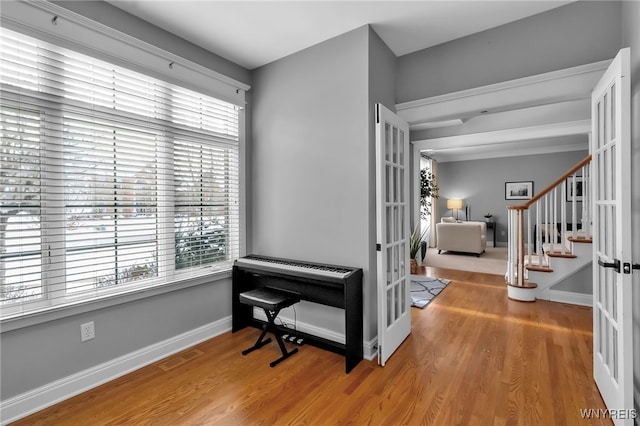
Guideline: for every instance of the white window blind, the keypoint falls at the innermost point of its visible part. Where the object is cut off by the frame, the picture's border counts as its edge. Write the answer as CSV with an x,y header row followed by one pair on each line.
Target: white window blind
x,y
110,180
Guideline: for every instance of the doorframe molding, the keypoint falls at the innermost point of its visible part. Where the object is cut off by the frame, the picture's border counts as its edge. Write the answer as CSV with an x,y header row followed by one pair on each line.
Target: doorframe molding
x,y
552,87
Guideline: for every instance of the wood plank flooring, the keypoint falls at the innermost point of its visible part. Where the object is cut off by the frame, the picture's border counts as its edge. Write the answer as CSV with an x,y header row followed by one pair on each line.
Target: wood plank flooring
x,y
473,358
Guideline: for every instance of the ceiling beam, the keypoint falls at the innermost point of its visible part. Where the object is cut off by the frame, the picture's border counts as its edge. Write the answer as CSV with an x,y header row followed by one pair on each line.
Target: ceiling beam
x,y
506,136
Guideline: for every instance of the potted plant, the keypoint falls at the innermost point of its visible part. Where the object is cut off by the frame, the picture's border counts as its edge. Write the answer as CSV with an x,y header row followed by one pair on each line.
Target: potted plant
x,y
428,189
415,242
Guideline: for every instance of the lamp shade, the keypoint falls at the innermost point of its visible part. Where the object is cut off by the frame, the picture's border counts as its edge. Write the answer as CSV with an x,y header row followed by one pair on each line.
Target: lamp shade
x,y
454,203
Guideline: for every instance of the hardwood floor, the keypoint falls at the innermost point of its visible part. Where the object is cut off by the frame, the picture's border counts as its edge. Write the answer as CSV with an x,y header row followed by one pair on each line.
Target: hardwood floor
x,y
473,358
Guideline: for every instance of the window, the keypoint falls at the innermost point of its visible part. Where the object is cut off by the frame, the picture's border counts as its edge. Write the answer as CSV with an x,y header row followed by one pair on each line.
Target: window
x,y
21,242
110,180
201,207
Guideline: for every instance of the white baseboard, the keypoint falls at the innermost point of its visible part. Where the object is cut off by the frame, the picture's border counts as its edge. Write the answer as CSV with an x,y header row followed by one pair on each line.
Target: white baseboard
x,y
370,350
571,298
37,399
324,333
45,396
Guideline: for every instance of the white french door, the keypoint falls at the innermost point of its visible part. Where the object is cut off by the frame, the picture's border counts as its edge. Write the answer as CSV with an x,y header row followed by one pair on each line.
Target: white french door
x,y
611,190
393,204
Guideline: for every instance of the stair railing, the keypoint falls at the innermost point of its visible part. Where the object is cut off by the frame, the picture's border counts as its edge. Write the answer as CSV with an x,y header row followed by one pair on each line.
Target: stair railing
x,y
544,217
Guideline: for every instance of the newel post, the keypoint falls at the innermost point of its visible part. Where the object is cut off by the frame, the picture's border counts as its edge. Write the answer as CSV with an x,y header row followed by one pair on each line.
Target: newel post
x,y
518,287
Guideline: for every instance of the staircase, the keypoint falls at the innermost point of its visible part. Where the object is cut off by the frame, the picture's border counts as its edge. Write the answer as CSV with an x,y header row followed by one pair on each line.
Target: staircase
x,y
550,236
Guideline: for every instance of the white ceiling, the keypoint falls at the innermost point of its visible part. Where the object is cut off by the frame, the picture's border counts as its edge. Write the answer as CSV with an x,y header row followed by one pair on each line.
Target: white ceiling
x,y
254,33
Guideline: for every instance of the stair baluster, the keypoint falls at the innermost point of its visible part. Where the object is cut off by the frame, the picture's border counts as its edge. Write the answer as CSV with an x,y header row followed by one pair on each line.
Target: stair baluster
x,y
547,226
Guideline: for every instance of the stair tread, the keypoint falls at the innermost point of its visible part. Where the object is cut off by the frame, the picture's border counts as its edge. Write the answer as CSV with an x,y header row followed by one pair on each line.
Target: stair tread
x,y
539,268
581,240
560,254
526,284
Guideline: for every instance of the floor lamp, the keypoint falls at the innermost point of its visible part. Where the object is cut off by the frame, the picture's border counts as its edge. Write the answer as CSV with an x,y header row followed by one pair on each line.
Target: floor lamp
x,y
454,204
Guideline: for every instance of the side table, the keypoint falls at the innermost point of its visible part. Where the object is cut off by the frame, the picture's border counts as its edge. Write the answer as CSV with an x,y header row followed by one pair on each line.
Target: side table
x,y
492,225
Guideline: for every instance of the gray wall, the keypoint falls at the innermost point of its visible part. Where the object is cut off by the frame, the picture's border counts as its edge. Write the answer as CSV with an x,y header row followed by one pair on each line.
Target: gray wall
x,y
631,38
382,77
313,169
571,35
309,149
480,183
36,355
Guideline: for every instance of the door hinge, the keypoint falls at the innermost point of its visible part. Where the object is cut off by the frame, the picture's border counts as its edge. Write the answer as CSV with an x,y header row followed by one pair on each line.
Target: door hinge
x,y
615,264
378,247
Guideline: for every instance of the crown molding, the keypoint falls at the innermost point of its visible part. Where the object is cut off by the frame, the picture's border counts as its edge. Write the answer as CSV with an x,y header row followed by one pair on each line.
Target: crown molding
x,y
547,88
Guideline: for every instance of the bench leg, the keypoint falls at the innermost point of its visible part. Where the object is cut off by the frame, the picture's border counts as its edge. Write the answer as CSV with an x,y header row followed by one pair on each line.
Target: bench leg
x,y
270,327
259,343
283,357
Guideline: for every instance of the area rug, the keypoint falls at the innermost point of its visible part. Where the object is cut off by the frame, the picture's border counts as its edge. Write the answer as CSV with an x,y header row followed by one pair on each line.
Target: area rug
x,y
424,289
492,261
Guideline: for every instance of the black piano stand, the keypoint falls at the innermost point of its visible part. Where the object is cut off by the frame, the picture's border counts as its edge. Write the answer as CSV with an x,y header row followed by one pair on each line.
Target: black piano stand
x,y
271,301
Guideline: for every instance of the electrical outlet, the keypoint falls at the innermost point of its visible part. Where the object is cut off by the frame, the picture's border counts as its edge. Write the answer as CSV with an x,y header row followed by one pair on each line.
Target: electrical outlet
x,y
87,331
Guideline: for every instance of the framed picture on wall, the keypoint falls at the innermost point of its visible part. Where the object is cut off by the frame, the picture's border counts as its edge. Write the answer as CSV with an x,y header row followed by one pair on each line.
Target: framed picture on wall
x,y
518,190
577,187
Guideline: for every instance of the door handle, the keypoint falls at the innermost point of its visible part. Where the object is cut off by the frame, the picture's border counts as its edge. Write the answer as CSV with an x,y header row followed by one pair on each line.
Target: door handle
x,y
615,265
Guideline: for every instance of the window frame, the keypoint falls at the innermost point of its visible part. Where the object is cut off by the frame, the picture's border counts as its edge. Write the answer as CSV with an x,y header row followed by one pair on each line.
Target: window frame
x,y
53,249
203,78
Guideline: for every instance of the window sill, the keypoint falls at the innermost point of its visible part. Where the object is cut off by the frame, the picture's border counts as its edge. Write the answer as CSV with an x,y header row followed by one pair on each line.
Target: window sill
x,y
68,310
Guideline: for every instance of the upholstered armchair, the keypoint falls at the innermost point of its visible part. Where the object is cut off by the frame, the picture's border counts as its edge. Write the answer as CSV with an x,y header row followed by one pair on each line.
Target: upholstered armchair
x,y
467,237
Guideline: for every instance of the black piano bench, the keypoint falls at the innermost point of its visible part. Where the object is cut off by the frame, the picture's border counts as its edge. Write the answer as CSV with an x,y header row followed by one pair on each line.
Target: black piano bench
x,y
271,301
